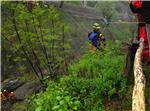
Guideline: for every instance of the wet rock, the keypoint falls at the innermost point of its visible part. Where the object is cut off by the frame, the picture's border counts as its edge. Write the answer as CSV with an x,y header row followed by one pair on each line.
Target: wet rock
x,y
21,89
12,85
27,89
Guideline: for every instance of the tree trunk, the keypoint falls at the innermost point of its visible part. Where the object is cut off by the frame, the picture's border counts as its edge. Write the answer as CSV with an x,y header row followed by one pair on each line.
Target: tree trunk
x,y
138,97
132,48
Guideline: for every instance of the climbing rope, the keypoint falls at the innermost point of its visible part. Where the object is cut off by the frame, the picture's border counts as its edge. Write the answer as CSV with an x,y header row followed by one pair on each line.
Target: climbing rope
x,y
138,98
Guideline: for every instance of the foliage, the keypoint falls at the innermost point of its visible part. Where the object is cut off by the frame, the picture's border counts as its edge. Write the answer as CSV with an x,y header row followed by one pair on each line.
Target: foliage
x,y
126,34
107,9
41,39
55,99
98,75
146,70
20,107
37,38
84,90
95,77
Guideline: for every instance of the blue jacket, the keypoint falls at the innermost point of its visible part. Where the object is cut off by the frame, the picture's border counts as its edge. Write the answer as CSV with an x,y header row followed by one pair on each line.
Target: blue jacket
x,y
93,36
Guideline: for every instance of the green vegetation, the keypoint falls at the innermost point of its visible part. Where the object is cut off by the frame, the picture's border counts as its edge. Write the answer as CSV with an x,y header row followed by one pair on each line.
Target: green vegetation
x,y
107,9
89,82
39,39
51,46
54,98
124,35
146,70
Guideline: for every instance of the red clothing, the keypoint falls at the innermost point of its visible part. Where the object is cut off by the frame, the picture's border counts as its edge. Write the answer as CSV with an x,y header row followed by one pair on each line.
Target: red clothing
x,y
142,28
135,7
93,48
137,4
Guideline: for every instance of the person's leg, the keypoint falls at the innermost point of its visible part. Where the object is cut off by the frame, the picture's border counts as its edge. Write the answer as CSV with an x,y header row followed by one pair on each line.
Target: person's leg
x,y
93,48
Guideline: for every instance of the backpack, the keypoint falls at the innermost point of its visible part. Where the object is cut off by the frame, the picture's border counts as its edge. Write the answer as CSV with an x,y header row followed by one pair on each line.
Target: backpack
x,y
92,35
93,38
145,12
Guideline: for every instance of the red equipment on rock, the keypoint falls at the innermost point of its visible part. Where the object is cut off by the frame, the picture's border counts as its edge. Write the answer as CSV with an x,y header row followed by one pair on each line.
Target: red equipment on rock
x,y
7,96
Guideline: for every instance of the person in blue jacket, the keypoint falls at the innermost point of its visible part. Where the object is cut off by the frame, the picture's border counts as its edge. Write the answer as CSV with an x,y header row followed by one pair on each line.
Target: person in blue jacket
x,y
96,37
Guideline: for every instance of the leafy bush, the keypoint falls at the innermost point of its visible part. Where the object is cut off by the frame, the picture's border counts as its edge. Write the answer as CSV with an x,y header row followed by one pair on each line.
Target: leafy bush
x,y
95,77
37,41
55,99
84,90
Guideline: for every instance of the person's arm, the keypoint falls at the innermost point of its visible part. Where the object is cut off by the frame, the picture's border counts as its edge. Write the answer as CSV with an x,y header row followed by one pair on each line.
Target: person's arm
x,y
102,37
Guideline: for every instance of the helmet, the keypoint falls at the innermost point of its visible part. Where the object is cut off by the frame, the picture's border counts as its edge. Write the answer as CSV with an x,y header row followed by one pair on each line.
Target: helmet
x,y
96,26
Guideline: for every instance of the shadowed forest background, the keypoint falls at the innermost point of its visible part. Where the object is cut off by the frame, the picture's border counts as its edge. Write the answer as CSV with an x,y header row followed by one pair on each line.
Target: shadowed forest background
x,y
47,59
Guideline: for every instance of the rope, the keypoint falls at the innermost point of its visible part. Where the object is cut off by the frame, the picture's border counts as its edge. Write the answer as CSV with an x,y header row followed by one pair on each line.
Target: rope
x,y
138,98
